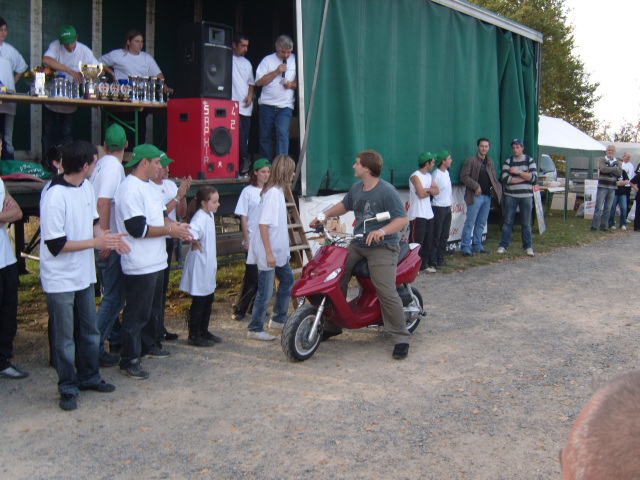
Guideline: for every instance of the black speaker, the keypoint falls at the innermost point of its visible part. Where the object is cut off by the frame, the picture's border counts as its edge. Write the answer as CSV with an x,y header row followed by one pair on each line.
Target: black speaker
x,y
204,61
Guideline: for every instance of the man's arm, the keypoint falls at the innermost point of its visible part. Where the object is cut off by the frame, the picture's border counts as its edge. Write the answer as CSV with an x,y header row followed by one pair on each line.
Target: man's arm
x,y
11,211
465,177
394,226
104,212
423,192
335,211
602,166
268,77
52,63
249,99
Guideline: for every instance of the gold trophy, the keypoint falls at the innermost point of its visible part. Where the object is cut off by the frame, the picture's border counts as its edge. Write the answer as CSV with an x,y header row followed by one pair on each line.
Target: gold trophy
x,y
91,73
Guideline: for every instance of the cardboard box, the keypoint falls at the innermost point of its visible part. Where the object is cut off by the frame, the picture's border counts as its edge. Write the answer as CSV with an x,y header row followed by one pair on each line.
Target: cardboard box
x,y
557,201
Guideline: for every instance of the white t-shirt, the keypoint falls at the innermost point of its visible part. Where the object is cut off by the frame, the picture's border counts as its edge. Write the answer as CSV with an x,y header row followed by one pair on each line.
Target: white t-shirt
x,y
167,191
106,178
443,180
11,62
273,213
419,207
273,93
242,77
136,198
248,207
124,63
81,53
7,257
199,273
67,211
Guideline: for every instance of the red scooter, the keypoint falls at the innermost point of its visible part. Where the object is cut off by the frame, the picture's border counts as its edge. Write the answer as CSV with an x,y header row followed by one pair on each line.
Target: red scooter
x,y
322,298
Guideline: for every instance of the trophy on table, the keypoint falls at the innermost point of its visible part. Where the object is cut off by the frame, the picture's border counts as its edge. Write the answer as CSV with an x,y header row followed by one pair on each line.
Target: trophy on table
x,y
91,73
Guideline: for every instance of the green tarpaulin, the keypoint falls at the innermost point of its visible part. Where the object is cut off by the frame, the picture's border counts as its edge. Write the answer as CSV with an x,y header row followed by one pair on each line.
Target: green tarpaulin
x,y
406,76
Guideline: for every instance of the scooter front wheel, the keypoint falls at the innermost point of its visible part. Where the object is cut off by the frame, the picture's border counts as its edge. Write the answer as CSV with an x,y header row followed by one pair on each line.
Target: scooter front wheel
x,y
295,334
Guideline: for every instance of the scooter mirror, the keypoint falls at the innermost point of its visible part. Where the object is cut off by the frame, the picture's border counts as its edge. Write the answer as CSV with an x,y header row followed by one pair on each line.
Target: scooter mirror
x,y
384,216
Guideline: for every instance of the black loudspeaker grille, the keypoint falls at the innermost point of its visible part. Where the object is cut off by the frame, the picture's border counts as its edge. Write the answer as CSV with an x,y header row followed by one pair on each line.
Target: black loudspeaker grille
x,y
204,61
220,141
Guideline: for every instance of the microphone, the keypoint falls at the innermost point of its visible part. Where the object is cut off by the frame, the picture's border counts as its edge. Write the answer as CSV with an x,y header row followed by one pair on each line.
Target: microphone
x,y
284,62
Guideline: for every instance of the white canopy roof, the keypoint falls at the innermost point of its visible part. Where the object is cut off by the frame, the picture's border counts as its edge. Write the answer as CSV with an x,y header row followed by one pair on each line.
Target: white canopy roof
x,y
556,133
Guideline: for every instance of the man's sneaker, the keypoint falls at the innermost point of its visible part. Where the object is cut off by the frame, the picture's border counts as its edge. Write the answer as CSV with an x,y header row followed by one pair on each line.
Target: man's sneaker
x,y
68,401
155,352
13,373
237,316
400,351
115,348
275,325
264,336
431,270
593,229
530,252
102,387
482,252
613,227
501,250
211,337
170,336
134,370
106,360
623,227
326,335
467,254
200,342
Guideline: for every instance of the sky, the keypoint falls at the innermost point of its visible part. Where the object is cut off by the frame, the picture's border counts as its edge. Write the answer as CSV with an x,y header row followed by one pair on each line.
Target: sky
x,y
606,38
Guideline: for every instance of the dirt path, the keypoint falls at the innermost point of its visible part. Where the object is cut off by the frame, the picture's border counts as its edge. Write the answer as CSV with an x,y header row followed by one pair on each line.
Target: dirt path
x,y
506,359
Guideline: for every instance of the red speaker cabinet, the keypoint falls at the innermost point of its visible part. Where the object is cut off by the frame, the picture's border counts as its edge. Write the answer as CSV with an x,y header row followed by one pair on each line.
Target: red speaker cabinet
x,y
203,138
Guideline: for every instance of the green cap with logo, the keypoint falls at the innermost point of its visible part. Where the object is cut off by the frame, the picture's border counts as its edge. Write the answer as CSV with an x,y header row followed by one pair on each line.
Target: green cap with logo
x,y
441,156
115,137
263,162
144,151
67,34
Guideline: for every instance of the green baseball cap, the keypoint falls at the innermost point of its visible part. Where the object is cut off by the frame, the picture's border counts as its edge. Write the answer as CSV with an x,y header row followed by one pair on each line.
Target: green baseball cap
x,y
115,138
441,156
165,160
424,157
144,151
261,163
67,34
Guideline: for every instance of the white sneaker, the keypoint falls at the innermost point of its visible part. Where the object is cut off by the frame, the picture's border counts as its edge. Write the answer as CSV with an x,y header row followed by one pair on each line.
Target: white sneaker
x,y
275,325
264,336
623,227
530,252
502,250
613,227
430,270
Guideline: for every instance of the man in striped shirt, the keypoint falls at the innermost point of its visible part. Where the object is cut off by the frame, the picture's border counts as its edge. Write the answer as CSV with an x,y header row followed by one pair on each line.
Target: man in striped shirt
x,y
519,174
610,170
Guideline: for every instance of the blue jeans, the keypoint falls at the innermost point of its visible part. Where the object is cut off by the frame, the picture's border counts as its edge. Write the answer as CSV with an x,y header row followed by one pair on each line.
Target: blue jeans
x,y
75,337
112,280
280,118
141,315
245,127
265,291
510,206
623,201
477,215
7,136
604,200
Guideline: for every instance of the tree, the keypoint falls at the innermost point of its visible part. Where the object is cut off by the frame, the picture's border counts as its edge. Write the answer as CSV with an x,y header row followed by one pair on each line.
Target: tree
x,y
566,91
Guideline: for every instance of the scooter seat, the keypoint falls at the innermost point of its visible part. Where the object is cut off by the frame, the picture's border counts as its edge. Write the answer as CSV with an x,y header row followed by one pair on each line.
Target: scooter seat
x,y
362,267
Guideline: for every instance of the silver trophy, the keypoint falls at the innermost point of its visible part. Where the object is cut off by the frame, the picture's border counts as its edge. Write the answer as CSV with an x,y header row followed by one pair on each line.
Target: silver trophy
x,y
91,73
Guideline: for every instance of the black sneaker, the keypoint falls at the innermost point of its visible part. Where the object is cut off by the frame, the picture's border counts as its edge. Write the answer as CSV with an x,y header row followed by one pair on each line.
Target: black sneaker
x,y
134,370
400,351
155,352
210,336
102,387
13,372
170,336
200,342
68,401
326,335
237,316
106,360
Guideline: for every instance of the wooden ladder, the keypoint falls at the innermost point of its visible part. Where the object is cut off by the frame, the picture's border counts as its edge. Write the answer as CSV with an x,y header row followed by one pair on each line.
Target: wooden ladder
x,y
298,243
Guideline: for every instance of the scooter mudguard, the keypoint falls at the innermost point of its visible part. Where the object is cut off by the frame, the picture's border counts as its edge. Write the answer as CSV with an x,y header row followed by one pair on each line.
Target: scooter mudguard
x,y
315,275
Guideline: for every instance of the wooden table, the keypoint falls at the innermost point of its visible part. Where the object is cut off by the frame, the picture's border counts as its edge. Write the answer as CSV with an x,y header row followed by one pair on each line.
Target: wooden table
x,y
107,107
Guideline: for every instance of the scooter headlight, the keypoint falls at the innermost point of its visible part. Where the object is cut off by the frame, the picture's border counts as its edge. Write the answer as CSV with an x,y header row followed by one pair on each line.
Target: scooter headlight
x,y
332,275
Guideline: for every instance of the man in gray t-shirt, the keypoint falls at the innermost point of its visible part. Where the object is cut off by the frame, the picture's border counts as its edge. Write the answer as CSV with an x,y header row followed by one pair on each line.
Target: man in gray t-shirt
x,y
379,244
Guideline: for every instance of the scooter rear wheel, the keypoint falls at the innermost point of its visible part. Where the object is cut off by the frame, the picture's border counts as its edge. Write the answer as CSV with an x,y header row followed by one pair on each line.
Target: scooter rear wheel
x,y
295,332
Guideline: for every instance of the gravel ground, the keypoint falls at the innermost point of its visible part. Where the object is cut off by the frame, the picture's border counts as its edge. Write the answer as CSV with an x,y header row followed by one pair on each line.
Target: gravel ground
x,y
496,376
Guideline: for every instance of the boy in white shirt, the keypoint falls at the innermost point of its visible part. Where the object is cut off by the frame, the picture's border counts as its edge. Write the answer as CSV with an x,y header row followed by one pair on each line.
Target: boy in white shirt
x,y
70,232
